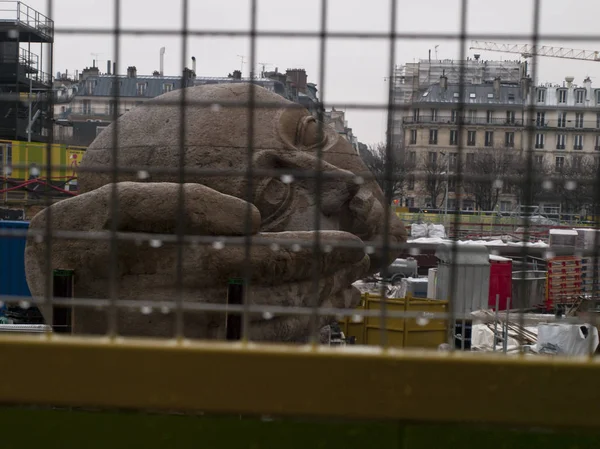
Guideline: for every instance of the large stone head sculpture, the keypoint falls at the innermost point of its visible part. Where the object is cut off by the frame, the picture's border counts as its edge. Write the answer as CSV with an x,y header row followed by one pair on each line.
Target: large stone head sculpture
x,y
282,209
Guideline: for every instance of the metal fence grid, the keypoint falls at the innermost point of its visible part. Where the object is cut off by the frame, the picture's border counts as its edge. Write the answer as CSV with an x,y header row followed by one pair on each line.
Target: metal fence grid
x,y
401,385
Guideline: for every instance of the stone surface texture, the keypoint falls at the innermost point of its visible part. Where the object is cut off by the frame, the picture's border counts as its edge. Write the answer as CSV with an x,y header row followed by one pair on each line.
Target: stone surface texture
x,y
215,185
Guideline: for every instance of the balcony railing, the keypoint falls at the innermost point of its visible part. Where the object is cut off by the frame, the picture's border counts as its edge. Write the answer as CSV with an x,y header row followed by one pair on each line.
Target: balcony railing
x,y
449,120
21,14
569,126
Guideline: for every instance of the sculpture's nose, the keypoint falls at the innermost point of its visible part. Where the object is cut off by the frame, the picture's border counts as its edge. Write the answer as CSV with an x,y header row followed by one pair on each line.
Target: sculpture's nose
x,y
370,220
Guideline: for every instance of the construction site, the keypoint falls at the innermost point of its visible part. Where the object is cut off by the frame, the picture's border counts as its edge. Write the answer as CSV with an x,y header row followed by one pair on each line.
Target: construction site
x,y
217,264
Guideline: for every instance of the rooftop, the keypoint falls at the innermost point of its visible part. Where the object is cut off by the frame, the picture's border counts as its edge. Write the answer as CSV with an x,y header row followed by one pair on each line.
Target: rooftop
x,y
472,93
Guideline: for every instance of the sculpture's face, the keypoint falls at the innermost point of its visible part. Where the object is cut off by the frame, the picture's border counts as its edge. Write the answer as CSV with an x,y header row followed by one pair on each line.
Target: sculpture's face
x,y
286,140
285,137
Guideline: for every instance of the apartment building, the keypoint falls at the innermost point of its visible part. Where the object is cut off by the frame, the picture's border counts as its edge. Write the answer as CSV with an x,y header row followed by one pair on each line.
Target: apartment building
x,y
563,130
86,106
567,124
493,117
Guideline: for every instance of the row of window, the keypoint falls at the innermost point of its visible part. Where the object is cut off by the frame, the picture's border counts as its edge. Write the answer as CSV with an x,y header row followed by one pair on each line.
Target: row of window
x,y
509,118
470,116
580,95
561,141
509,139
141,87
432,157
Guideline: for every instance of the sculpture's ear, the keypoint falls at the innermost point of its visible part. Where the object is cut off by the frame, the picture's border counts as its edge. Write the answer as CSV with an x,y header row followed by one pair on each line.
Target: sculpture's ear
x,y
337,186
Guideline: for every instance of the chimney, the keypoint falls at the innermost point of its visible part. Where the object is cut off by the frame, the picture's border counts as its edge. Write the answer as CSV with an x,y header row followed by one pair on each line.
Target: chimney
x,y
298,77
525,86
114,68
444,81
194,64
588,87
497,87
131,72
237,75
108,67
94,63
162,61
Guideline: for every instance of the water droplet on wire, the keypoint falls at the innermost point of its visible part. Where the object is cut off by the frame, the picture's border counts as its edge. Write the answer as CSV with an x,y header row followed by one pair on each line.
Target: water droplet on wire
x,y
146,310
154,243
143,174
287,179
218,245
267,316
570,185
215,107
547,185
422,320
24,305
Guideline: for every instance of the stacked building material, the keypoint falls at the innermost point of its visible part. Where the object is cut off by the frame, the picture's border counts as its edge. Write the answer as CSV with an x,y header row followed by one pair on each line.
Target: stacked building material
x,y
563,280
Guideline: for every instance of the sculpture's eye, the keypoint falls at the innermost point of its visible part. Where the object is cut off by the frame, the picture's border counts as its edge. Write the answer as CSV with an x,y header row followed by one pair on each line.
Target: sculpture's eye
x,y
310,133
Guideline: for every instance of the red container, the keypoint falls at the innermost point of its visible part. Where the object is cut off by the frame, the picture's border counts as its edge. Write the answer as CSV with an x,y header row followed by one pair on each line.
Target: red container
x,y
500,281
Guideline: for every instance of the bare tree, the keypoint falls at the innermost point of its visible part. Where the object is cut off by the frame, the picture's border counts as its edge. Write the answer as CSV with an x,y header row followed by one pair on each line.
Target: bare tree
x,y
575,184
484,177
529,185
433,167
375,158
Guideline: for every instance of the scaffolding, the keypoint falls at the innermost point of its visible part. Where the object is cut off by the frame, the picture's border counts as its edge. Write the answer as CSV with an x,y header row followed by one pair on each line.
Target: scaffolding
x,y
25,83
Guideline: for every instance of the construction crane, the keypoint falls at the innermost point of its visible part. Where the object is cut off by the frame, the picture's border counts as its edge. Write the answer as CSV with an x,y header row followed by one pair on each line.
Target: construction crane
x,y
528,51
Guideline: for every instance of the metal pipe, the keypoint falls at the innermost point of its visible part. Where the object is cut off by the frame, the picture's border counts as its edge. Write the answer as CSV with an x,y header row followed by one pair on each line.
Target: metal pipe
x,y
496,320
162,61
30,93
447,182
505,343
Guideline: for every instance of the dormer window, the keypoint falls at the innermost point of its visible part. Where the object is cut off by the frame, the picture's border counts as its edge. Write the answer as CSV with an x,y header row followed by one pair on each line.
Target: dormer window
x,y
115,87
90,85
597,96
541,95
562,95
579,96
141,89
167,87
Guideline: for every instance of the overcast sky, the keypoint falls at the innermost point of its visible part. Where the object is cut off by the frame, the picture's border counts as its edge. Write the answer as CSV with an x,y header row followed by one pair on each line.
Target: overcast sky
x,y
355,70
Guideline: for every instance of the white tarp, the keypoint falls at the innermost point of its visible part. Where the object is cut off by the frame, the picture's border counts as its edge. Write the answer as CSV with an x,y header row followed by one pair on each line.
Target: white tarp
x,y
436,231
418,230
427,230
566,339
482,339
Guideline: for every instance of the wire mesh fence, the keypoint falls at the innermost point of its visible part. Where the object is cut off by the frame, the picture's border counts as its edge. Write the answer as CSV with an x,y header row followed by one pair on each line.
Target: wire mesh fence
x,y
227,212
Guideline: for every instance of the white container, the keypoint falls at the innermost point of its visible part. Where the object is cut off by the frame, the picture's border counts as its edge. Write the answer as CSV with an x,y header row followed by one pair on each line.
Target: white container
x,y
431,283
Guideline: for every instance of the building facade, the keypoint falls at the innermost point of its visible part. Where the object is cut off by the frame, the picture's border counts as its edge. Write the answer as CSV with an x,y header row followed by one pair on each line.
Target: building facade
x,y
498,127
337,120
86,106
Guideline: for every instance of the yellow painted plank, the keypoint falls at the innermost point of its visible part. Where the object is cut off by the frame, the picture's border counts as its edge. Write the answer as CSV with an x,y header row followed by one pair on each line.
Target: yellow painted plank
x,y
299,381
